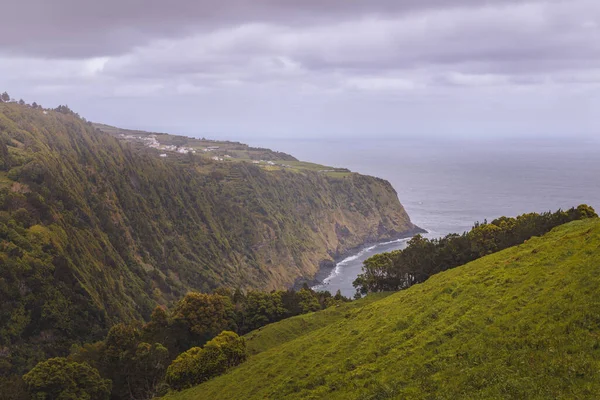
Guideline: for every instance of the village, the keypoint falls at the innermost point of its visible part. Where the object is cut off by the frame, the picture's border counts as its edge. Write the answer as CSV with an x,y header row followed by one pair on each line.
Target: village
x,y
172,146
152,142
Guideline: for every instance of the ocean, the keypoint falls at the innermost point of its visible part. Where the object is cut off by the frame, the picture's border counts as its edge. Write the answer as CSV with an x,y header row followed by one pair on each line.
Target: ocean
x,y
447,185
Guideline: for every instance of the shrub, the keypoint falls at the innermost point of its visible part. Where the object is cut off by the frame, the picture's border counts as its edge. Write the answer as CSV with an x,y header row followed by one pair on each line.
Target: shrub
x,y
233,346
201,364
424,257
61,379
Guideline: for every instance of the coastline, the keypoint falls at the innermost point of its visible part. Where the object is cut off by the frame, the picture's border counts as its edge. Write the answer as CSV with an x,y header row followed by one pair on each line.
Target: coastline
x,y
326,267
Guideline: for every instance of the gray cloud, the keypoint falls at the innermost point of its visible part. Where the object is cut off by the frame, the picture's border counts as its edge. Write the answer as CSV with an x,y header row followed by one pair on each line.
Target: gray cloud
x,y
539,39
274,63
88,28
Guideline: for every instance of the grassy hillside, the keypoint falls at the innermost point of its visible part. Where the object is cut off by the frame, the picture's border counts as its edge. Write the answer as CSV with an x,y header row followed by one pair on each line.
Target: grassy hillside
x,y
274,335
95,230
179,147
521,323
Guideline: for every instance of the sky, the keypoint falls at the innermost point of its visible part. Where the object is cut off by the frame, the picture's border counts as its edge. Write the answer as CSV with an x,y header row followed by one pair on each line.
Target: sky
x,y
244,69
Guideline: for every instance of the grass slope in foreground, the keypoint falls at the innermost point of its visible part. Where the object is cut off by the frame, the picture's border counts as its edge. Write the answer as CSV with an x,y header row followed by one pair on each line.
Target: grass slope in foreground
x,y
522,323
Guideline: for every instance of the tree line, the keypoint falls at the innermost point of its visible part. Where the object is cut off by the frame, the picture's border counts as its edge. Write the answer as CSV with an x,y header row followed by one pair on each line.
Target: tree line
x,y
424,257
195,341
64,109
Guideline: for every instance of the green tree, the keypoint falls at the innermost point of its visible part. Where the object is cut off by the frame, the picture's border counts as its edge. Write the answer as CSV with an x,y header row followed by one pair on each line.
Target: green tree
x,y
583,211
61,379
199,317
200,364
147,370
117,363
263,308
233,346
135,367
5,97
308,301
182,372
158,330
424,257
196,366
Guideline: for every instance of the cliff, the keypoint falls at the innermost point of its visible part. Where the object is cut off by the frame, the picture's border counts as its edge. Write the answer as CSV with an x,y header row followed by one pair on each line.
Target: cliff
x,y
96,227
517,324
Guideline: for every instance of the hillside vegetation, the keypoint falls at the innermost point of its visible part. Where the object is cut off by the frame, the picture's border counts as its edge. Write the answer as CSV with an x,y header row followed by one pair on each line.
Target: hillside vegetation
x,y
521,323
425,257
95,230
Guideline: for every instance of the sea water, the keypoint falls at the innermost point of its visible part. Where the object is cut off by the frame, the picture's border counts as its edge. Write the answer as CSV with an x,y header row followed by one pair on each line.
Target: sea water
x,y
447,185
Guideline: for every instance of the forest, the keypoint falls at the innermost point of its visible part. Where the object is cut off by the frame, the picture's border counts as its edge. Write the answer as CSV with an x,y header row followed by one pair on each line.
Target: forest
x,y
195,341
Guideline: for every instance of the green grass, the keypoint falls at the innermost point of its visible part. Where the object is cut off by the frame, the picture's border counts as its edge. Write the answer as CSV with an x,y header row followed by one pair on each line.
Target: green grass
x,y
338,174
307,165
523,323
238,151
292,328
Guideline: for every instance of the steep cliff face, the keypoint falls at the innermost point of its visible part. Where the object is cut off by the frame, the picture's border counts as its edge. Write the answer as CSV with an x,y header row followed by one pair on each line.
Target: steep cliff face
x,y
94,230
310,219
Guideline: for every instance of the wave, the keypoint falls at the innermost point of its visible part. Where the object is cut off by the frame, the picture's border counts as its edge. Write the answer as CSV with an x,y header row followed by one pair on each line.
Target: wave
x,y
339,266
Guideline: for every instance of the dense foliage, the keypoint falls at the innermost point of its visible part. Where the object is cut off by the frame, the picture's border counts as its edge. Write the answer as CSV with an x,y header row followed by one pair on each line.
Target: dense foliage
x,y
200,364
521,323
424,257
61,379
196,338
94,232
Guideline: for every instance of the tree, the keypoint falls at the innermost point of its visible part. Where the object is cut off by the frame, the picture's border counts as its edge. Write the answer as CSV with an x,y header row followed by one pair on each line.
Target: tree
x,y
223,291
338,296
201,364
424,257
233,346
121,338
158,329
196,366
119,350
199,317
263,308
22,102
308,302
583,211
5,97
34,105
146,370
61,379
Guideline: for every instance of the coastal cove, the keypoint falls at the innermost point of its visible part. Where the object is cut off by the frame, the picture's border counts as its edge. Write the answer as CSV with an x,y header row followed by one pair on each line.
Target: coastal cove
x,y
345,271
340,274
447,186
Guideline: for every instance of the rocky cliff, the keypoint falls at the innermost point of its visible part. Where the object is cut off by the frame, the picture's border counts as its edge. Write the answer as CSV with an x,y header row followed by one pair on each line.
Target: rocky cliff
x,y
96,229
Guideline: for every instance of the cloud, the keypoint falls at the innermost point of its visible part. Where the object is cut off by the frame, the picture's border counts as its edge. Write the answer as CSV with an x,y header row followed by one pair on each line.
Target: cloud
x,y
75,28
266,55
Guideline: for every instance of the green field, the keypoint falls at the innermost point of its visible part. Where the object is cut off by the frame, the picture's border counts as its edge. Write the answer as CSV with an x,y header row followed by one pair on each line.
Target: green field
x,y
523,323
228,151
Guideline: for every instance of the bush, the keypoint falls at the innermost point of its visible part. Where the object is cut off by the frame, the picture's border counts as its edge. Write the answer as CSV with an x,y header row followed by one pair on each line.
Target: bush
x,y
233,346
201,364
61,379
424,257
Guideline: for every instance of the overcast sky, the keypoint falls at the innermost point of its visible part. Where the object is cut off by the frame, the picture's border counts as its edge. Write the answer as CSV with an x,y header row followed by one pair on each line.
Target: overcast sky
x,y
312,68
